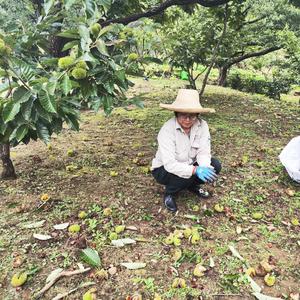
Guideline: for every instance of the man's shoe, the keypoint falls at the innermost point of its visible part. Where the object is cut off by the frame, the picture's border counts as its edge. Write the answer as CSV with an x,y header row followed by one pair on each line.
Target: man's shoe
x,y
199,192
170,203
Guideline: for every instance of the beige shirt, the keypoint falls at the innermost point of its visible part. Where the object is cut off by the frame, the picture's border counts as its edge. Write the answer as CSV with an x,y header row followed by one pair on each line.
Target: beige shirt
x,y
177,151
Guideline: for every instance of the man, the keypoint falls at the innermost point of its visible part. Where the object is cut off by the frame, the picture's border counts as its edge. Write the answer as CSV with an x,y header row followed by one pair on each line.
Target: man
x,y
183,159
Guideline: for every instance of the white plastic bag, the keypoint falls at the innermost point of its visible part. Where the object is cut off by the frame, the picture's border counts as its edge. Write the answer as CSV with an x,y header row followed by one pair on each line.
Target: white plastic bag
x,y
290,158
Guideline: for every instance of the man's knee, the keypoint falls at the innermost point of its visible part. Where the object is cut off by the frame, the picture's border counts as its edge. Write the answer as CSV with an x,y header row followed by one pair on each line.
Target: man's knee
x,y
216,164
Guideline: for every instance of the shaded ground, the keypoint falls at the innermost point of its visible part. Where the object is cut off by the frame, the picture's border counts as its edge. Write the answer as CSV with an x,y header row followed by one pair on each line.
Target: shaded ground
x,y
248,133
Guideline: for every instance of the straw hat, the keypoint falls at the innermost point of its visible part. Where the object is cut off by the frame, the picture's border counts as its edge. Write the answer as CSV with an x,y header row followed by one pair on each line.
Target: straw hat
x,y
187,101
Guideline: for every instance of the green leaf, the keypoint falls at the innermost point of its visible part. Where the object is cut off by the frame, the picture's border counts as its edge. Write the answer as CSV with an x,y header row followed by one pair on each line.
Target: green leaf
x,y
91,257
120,74
109,28
137,101
68,4
26,109
72,34
51,86
66,84
49,61
105,3
47,6
3,127
72,121
88,57
42,112
21,132
84,33
43,133
69,45
47,102
21,94
101,47
10,110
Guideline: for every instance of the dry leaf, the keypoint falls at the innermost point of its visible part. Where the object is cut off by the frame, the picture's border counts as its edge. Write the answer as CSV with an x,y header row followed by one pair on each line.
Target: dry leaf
x,y
42,237
294,296
239,229
123,242
34,225
211,262
112,270
61,226
133,265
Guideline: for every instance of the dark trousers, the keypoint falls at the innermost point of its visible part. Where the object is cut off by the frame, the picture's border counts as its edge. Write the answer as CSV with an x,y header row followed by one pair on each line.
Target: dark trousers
x,y
175,183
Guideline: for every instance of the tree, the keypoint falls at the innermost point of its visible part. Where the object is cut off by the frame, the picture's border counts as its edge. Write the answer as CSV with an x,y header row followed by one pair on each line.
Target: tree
x,y
246,39
190,43
40,92
252,29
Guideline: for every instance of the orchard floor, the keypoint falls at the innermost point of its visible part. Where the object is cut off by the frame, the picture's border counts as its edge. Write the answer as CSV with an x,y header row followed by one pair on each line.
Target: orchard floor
x,y
248,132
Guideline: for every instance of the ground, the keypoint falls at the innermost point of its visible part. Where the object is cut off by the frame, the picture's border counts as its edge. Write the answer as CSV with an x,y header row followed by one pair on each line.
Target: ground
x,y
106,165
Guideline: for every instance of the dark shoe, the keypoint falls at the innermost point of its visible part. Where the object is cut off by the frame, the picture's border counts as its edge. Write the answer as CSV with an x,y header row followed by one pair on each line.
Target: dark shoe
x,y
170,203
199,192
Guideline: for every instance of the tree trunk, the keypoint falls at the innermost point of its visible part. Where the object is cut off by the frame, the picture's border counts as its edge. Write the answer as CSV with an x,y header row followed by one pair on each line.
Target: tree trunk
x,y
215,51
8,167
222,76
192,84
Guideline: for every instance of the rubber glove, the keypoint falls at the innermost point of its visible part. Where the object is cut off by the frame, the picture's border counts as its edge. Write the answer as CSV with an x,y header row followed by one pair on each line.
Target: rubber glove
x,y
206,174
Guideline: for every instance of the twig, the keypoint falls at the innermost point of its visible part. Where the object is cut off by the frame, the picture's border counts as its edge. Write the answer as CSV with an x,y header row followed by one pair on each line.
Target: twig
x,y
61,296
223,295
59,275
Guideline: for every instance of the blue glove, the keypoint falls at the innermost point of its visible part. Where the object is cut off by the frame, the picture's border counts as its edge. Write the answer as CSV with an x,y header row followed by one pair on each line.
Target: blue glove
x,y
206,174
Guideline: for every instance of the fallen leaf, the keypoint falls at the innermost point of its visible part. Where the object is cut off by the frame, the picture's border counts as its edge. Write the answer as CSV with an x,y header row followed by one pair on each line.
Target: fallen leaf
x,y
34,225
260,296
239,229
61,226
133,228
54,274
255,287
211,262
294,296
91,257
133,265
112,270
123,242
235,253
42,237
290,192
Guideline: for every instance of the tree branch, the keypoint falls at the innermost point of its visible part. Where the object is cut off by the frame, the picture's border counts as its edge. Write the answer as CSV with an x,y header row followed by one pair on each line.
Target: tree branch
x,y
251,22
249,55
162,7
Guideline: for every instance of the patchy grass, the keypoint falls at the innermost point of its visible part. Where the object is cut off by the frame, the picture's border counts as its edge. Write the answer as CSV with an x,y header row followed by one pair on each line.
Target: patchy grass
x,y
106,165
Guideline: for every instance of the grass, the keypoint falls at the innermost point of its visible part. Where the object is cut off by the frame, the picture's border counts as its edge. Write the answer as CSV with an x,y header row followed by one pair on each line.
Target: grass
x,y
248,132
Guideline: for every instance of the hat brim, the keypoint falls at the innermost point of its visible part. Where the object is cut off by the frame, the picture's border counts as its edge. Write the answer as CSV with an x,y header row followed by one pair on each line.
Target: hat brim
x,y
187,110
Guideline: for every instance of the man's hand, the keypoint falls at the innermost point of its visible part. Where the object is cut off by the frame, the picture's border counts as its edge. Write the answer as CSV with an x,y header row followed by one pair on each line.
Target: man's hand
x,y
206,174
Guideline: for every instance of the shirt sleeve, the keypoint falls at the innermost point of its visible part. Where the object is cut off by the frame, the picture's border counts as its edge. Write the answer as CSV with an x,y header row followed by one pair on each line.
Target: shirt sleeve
x,y
204,153
167,148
